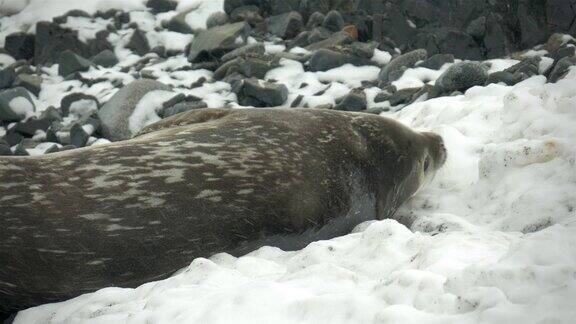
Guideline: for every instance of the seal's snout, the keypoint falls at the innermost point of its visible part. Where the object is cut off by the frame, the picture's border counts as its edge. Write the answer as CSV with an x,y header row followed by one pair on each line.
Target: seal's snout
x,y
437,148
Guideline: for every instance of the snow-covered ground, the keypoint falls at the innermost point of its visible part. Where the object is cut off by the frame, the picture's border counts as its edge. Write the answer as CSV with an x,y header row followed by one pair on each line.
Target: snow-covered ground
x,y
493,238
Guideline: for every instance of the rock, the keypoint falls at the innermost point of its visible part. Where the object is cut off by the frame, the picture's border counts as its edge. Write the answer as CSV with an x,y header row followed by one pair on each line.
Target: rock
x,y
339,38
530,67
503,77
20,45
116,112
278,7
4,148
20,150
286,25
106,58
561,69
436,61
13,138
52,40
461,45
256,67
256,48
78,136
7,77
351,31
258,93
217,19
52,149
70,62
262,5
333,21
462,76
405,96
394,70
392,25
15,104
324,59
138,43
355,100
495,39
297,102
159,6
249,14
51,114
364,50
315,20
32,83
377,110
215,42
318,34
477,27
67,102
178,24
562,52
31,126
554,42
181,107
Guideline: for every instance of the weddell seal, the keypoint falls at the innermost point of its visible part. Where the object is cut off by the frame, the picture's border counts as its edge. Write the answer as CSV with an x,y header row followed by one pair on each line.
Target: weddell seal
x,y
195,184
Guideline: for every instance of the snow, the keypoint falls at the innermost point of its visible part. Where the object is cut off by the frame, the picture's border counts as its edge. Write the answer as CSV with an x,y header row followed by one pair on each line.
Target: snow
x,y
202,10
492,239
381,57
146,110
22,107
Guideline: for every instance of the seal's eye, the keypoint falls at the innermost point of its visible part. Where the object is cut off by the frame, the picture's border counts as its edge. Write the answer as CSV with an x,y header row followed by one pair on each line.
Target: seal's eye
x,y
426,163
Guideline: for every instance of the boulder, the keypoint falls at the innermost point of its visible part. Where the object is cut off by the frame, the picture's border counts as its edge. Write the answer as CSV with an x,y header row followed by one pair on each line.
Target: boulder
x,y
78,136
436,61
394,70
70,62
504,77
181,107
315,20
355,100
15,105
106,58
7,77
51,40
158,6
67,102
255,49
213,43
249,14
138,43
258,93
29,127
178,24
20,45
561,68
286,25
116,112
333,21
462,76
324,59
339,38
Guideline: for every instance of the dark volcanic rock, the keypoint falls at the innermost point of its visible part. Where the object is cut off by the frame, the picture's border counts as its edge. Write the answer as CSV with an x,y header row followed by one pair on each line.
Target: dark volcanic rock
x,y
315,20
181,107
70,99
178,24
20,45
353,101
78,136
116,112
333,21
14,104
7,77
561,68
530,67
138,43
258,93
436,61
31,126
324,59
215,42
503,77
51,40
159,6
4,148
70,62
257,49
462,76
286,25
394,70
339,38
106,58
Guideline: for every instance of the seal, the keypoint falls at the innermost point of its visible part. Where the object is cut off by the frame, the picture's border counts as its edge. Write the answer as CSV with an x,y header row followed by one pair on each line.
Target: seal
x,y
195,184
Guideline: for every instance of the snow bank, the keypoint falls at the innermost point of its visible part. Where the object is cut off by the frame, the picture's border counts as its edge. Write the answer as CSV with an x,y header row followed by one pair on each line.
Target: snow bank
x,y
493,236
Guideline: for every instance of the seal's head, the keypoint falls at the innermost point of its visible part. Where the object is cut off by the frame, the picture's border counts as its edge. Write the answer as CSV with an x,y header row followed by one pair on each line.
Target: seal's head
x,y
434,155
